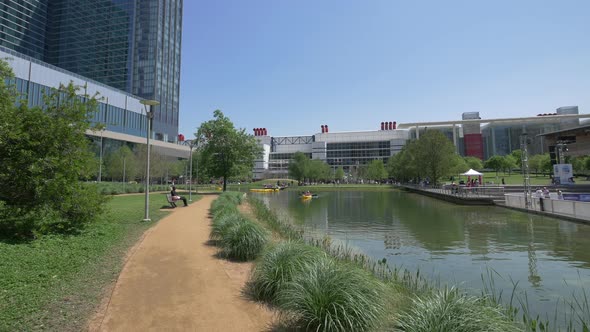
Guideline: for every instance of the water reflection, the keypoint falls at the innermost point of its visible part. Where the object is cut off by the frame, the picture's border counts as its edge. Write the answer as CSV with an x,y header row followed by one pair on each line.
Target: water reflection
x,y
454,243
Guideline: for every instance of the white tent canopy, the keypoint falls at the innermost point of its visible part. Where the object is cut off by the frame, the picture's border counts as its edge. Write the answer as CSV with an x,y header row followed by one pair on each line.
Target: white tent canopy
x,y
472,172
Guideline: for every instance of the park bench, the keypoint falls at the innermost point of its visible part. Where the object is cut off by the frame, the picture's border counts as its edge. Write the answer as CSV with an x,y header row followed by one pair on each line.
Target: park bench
x,y
171,200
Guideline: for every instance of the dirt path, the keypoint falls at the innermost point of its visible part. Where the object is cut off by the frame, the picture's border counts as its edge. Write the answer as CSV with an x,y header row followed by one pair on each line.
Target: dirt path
x,y
174,282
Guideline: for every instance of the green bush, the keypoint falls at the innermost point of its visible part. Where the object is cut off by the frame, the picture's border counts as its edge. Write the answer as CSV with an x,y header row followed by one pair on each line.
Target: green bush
x,y
278,266
449,310
221,224
244,241
330,296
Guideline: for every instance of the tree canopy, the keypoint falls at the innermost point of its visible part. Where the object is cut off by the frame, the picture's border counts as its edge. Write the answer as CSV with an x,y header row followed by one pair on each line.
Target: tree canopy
x,y
432,156
301,167
44,154
435,155
226,151
376,170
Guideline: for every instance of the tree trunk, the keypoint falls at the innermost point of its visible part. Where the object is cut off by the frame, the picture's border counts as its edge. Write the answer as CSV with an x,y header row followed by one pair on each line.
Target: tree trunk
x,y
224,183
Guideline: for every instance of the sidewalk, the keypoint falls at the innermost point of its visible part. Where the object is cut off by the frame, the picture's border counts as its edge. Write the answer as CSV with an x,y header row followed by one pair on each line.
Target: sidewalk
x,y
174,282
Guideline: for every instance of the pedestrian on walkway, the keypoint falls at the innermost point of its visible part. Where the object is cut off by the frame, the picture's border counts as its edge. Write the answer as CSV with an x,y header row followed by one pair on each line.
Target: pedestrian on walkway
x,y
175,196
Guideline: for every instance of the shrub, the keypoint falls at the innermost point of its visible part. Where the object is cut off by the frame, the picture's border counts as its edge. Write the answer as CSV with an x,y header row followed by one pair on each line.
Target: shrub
x,y
244,241
278,266
222,223
449,310
328,296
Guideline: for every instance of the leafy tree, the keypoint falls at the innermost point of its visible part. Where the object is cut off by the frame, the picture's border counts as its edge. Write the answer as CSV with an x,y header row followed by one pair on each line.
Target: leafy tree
x,y
226,151
508,163
339,175
459,165
298,166
121,164
433,154
402,166
376,170
517,155
578,163
44,153
318,170
587,163
540,163
496,163
546,166
473,163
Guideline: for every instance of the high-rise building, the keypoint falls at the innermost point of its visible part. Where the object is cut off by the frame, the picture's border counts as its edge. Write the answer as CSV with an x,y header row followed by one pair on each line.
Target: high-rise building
x,y
130,45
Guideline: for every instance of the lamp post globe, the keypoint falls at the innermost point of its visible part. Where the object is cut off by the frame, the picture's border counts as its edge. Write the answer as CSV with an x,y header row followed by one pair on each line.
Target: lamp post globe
x,y
149,116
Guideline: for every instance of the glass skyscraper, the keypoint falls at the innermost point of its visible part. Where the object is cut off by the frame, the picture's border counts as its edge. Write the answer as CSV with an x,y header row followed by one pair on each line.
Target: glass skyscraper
x,y
131,45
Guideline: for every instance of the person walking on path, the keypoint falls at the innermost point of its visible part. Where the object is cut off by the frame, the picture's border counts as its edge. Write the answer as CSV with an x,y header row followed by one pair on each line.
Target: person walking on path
x,y
175,196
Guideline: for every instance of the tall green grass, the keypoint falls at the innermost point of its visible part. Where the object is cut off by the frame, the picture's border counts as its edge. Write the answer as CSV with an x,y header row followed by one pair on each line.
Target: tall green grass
x,y
273,222
222,222
277,266
330,296
243,240
238,238
449,310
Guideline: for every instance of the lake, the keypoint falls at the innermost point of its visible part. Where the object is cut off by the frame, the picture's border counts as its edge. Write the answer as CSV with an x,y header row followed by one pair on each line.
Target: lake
x,y
548,258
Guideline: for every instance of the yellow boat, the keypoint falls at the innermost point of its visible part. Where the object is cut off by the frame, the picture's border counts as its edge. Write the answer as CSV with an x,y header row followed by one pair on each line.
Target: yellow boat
x,y
305,197
263,190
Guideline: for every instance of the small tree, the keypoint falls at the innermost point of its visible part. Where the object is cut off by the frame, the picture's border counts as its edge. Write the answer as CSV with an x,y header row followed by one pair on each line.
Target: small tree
x,y
508,163
44,154
121,164
339,175
496,163
517,155
473,162
434,153
376,170
299,166
226,151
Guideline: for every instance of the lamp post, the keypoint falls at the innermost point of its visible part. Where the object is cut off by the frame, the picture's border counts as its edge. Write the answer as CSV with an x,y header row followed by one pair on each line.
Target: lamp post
x,y
100,157
149,116
192,145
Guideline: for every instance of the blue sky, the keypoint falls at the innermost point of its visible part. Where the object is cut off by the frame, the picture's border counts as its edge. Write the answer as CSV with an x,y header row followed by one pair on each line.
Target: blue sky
x,y
291,66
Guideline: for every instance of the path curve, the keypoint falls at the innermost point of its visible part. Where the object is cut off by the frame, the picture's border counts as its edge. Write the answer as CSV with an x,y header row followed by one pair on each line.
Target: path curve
x,y
174,282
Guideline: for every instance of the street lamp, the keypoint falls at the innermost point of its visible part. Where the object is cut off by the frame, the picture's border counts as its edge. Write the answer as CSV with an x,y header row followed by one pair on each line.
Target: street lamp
x,y
192,144
100,156
149,116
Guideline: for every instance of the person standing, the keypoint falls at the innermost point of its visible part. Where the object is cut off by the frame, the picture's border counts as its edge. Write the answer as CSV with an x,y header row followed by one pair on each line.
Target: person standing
x,y
559,194
175,196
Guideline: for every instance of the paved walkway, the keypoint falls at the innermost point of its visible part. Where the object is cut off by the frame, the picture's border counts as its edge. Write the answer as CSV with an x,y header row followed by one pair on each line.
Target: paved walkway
x,y
172,281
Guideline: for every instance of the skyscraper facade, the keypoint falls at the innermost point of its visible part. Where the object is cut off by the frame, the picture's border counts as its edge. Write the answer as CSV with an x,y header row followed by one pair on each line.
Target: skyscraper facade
x,y
130,45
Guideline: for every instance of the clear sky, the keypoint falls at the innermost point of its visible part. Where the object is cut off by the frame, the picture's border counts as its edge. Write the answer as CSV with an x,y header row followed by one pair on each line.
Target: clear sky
x,y
291,66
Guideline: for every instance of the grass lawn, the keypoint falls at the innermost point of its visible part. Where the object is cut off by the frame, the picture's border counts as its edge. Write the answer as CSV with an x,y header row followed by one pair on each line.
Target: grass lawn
x,y
56,282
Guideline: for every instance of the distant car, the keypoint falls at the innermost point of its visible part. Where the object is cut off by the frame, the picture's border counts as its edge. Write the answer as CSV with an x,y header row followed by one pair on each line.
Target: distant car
x,y
461,182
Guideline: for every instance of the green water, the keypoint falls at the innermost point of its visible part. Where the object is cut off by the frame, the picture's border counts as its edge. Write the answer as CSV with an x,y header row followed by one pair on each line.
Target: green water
x,y
548,258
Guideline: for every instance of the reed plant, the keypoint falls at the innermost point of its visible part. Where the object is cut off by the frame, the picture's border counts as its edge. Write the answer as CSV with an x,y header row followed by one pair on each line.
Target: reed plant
x,y
243,240
279,265
332,296
452,311
273,222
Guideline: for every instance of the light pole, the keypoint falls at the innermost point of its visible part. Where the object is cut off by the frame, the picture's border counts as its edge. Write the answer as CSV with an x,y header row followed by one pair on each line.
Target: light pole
x,y
149,116
100,161
192,145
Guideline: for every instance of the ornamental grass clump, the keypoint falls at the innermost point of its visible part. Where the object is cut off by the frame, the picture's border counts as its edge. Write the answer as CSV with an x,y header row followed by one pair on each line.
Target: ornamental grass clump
x,y
278,266
332,296
243,241
222,223
449,310
224,209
